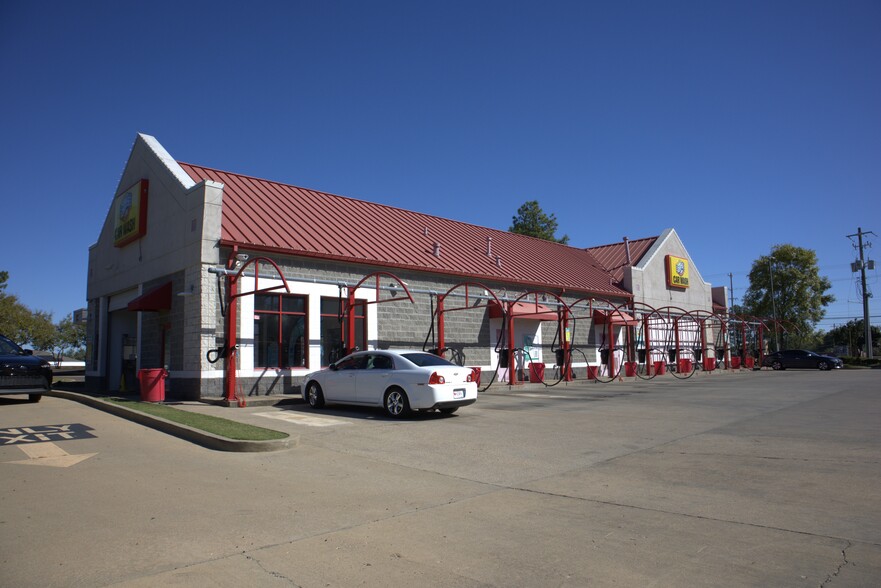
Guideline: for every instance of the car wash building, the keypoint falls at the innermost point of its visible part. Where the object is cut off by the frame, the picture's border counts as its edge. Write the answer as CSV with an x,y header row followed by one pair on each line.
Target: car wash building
x,y
239,286
683,316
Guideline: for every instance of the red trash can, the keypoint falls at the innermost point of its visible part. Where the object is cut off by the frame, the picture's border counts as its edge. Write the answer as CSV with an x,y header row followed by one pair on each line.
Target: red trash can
x,y
630,369
660,368
152,384
475,375
536,372
684,366
709,363
735,362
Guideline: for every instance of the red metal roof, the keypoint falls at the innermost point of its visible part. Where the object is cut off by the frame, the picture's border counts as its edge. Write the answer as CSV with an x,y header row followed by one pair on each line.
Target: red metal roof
x,y
273,217
613,257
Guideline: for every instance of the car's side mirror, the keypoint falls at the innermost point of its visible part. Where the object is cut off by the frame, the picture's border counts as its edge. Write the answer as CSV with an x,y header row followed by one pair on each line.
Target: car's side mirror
x,y
333,367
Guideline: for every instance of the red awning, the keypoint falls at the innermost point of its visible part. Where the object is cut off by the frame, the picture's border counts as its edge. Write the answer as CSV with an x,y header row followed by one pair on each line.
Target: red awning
x,y
156,299
525,310
617,317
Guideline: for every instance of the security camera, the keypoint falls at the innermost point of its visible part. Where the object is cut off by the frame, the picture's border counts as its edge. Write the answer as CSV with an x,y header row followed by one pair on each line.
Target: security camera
x,y
243,257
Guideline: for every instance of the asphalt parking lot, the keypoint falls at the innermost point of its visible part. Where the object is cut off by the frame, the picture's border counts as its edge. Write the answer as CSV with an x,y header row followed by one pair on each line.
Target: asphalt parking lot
x,y
749,479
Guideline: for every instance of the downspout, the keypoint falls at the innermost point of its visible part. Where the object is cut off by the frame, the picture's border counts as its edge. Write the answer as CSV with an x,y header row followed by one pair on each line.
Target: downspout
x,y
231,319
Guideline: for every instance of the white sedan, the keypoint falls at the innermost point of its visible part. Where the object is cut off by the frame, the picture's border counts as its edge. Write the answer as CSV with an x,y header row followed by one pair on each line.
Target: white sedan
x,y
398,381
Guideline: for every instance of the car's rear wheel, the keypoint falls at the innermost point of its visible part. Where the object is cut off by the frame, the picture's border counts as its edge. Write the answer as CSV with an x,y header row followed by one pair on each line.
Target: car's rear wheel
x,y
35,397
823,365
396,403
314,395
776,365
448,410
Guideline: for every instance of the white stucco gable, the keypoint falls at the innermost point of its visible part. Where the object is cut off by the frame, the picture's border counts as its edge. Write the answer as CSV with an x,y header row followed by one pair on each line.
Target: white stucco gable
x,y
647,278
162,155
182,224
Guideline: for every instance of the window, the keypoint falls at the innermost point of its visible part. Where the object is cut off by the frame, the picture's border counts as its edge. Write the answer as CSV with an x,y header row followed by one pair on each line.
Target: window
x,y
425,359
380,362
357,362
280,334
332,328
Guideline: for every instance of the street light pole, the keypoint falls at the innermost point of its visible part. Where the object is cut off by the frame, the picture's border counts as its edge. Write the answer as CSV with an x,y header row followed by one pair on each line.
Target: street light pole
x,y
774,306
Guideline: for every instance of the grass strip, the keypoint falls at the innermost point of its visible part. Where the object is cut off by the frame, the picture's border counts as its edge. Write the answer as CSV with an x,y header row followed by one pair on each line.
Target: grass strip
x,y
203,422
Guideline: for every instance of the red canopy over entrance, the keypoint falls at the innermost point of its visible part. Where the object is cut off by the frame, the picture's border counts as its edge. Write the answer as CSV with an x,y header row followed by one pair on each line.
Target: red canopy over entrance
x,y
156,299
615,317
525,310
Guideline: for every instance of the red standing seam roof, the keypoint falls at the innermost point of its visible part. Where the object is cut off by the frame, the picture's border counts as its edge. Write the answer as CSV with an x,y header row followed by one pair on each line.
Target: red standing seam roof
x,y
613,257
273,217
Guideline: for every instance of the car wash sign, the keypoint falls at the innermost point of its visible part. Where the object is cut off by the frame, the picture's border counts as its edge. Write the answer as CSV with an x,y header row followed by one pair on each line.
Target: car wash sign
x,y
130,214
677,272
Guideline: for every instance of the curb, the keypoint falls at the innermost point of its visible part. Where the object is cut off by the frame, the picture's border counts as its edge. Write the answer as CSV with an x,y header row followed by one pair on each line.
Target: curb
x,y
207,440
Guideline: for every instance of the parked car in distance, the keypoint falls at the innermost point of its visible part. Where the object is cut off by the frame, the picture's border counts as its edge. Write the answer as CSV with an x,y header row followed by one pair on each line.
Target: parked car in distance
x,y
800,358
398,381
21,372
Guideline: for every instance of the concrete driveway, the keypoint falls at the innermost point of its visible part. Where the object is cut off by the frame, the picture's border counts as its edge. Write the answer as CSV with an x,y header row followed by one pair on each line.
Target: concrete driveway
x,y
748,479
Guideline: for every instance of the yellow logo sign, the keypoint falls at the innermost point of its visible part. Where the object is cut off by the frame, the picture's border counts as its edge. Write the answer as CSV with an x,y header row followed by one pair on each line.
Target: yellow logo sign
x,y
677,272
130,214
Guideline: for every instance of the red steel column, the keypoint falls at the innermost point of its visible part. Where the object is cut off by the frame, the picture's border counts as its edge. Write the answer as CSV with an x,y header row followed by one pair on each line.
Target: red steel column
x,y
512,368
613,340
567,347
704,354
350,322
441,342
760,344
676,334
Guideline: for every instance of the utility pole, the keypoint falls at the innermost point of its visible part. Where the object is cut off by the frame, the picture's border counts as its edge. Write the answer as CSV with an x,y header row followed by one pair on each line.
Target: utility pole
x,y
862,265
731,290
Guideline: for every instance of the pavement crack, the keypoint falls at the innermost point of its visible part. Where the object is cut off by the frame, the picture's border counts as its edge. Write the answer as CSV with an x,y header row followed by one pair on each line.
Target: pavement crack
x,y
272,573
694,516
840,567
773,457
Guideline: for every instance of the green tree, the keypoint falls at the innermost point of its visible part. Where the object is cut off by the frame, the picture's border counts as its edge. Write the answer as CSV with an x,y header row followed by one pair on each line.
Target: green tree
x,y
531,220
23,325
786,285
14,316
70,337
852,335
40,331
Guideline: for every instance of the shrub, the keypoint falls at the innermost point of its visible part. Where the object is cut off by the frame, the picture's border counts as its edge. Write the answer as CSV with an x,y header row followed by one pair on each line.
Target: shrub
x,y
861,361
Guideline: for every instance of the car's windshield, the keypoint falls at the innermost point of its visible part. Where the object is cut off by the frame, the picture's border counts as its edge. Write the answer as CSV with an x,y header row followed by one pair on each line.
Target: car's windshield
x,y
425,359
7,347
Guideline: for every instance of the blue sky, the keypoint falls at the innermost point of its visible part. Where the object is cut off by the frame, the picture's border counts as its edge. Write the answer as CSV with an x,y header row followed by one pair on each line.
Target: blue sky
x,y
740,124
